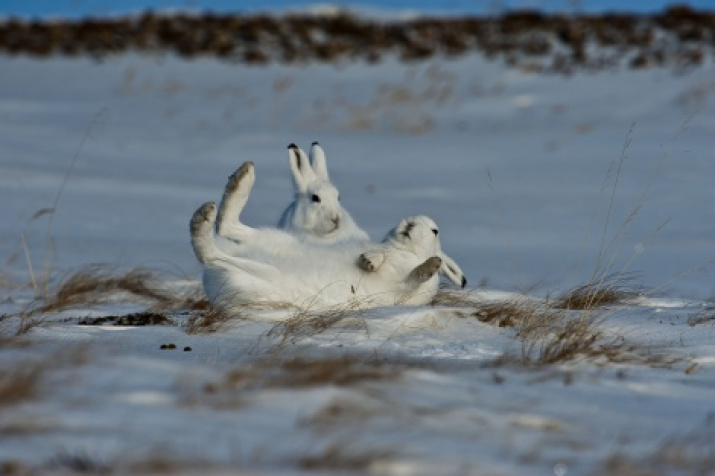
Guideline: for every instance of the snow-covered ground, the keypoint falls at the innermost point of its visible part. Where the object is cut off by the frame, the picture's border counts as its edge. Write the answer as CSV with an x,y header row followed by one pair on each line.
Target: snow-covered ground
x,y
520,172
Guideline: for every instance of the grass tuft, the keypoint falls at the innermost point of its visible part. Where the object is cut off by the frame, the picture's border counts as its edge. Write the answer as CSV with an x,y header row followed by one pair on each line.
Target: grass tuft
x,y
306,323
611,290
209,321
97,283
552,334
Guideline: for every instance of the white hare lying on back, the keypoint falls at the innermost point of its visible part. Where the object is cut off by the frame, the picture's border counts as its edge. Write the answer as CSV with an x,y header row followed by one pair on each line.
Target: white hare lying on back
x,y
316,214
271,267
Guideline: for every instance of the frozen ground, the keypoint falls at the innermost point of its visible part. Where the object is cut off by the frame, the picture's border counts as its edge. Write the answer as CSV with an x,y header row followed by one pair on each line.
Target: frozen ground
x,y
517,169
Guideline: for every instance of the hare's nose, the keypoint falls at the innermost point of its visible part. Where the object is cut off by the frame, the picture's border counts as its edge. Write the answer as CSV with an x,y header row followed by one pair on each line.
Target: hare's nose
x,y
336,220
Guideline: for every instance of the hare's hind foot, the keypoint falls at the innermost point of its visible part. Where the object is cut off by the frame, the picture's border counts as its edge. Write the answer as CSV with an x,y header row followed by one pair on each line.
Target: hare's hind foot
x,y
201,228
246,170
425,271
234,198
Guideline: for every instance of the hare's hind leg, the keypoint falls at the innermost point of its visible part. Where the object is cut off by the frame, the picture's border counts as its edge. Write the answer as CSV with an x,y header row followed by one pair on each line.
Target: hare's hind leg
x,y
201,228
424,272
235,196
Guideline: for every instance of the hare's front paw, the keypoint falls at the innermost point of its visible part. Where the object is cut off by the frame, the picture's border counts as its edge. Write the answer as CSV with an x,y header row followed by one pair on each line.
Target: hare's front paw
x,y
370,261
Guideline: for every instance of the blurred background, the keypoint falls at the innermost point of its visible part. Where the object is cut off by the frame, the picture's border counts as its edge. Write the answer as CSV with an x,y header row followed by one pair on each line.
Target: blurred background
x,y
81,8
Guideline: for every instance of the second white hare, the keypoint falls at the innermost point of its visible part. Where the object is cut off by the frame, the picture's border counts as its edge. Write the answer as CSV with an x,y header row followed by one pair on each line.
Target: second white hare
x,y
270,267
315,212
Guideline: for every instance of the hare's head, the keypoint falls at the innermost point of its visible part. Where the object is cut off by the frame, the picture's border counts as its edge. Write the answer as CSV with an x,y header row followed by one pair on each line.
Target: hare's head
x,y
421,236
316,209
418,234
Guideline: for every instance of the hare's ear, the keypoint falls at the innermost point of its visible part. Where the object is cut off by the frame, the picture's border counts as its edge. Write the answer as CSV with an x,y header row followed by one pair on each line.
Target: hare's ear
x,y
317,159
302,171
451,270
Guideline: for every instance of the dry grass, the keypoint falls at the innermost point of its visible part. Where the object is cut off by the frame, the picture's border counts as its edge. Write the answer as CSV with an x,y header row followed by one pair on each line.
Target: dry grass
x,y
99,284
305,322
693,453
611,290
450,297
343,411
550,333
707,317
209,321
341,456
296,372
22,381
237,385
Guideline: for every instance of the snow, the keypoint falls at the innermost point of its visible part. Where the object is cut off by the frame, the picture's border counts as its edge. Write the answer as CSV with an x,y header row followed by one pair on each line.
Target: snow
x,y
514,168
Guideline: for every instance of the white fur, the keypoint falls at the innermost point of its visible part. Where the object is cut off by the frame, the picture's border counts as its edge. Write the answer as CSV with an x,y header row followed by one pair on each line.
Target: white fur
x,y
271,267
326,221
316,213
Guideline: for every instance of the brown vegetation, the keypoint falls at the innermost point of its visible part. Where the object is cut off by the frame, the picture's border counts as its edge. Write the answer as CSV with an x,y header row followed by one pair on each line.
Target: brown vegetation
x,y
22,380
678,36
98,284
611,290
305,323
208,321
298,372
550,333
20,383
341,456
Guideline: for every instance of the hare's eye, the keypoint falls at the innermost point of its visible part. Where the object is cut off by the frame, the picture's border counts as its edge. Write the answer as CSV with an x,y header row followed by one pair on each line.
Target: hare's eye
x,y
315,198
435,231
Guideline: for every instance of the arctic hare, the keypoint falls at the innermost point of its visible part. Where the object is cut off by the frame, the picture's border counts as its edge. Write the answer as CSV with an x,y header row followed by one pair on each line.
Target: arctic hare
x,y
271,267
316,214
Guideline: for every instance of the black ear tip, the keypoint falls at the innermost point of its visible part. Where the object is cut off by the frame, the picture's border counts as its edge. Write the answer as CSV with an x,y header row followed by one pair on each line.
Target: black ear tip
x,y
292,146
464,281
315,143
